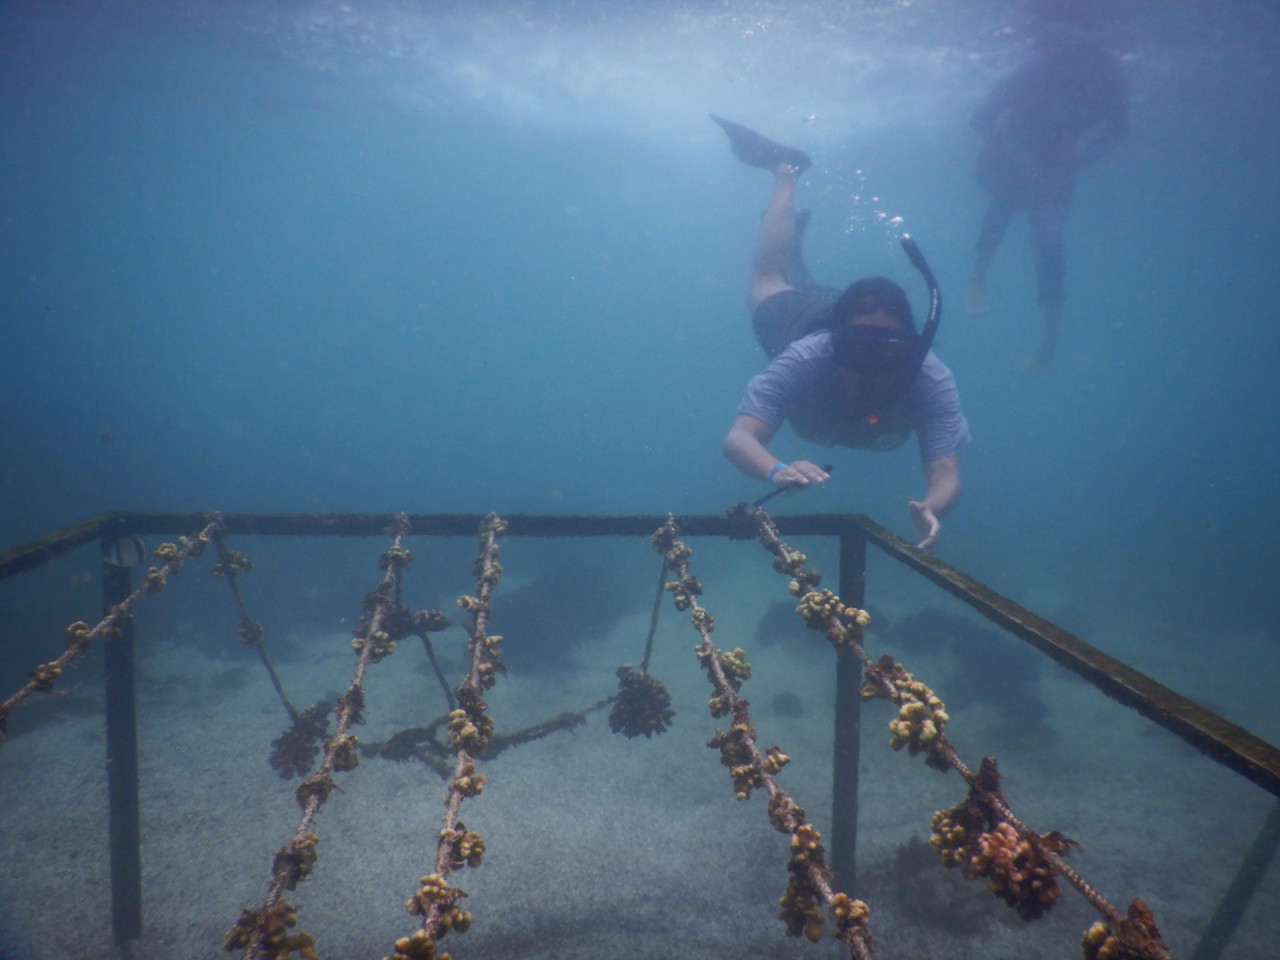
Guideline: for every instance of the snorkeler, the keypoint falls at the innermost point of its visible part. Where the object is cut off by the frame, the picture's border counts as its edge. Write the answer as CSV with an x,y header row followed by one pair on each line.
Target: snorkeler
x,y
1052,117
847,367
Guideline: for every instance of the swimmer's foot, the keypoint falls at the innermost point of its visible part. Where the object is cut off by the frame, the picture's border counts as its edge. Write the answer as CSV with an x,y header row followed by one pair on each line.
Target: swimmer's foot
x,y
1039,361
975,299
757,151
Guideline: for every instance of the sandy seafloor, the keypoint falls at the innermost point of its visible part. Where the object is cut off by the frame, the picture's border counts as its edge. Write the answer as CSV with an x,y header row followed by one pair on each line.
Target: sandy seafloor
x,y
599,846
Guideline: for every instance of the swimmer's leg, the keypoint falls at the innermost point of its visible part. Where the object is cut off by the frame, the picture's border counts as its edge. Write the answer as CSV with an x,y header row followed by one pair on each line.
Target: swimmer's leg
x,y
999,212
797,272
1048,219
776,241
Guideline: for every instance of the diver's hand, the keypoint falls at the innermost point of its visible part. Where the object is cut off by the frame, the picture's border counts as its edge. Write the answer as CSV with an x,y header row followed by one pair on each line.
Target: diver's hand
x,y
799,474
926,524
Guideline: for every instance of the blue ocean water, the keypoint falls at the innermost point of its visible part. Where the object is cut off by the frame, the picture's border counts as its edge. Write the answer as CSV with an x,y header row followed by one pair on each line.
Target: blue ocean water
x,y
442,257
390,256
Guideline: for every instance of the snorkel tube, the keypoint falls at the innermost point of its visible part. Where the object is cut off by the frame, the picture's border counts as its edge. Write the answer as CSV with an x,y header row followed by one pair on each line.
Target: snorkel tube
x,y
898,374
935,298
913,359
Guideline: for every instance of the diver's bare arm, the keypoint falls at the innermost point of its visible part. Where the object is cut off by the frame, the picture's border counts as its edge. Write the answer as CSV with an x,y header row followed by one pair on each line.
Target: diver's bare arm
x,y
942,478
745,447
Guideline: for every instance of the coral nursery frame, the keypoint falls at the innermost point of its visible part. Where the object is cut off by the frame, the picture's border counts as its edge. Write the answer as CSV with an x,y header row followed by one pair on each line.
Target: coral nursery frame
x,y
1212,735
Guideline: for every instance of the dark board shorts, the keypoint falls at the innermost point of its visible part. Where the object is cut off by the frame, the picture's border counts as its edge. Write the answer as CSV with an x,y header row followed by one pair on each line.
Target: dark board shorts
x,y
786,316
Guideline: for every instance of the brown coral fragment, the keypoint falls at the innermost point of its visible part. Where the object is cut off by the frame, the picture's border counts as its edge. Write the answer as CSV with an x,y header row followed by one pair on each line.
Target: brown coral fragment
x,y
42,677
380,643
270,926
343,749
851,915
318,785
294,862
735,667
418,946
684,591
434,891
823,611
251,633
397,557
466,848
737,752
642,707
955,835
468,783
295,750
785,814
1135,938
800,906
233,563
471,729
1017,871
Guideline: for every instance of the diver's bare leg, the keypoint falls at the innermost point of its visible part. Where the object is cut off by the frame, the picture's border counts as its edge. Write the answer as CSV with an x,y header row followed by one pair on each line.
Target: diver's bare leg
x,y
777,237
1048,218
994,225
1051,314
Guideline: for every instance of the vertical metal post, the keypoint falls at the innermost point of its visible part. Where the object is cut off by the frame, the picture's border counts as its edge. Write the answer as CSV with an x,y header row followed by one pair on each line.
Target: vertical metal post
x,y
848,724
122,763
1239,895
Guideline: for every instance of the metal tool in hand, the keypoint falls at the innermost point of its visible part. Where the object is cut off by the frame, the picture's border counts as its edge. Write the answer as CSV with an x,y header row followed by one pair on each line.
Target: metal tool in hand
x,y
826,467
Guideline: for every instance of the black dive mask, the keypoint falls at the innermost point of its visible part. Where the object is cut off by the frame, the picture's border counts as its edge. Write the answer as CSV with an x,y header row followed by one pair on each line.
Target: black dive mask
x,y
886,354
889,358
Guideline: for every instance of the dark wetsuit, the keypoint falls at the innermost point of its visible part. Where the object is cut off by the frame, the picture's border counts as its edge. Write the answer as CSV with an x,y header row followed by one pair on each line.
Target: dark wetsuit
x,y
1032,123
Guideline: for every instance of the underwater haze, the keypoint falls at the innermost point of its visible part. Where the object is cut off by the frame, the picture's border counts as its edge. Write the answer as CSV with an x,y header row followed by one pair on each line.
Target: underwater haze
x,y
456,257
449,257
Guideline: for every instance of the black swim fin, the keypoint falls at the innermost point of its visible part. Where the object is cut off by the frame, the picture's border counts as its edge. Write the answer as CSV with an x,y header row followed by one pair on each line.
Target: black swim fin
x,y
757,151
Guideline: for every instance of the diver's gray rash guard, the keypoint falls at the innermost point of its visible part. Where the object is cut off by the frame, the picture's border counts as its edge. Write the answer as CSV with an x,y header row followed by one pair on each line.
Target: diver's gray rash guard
x,y
797,386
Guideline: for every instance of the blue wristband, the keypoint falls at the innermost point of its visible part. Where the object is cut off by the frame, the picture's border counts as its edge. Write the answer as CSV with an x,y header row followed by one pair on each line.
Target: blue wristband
x,y
776,467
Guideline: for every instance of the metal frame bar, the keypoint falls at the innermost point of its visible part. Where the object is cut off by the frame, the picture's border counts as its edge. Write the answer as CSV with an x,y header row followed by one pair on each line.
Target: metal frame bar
x,y
36,553
1217,738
